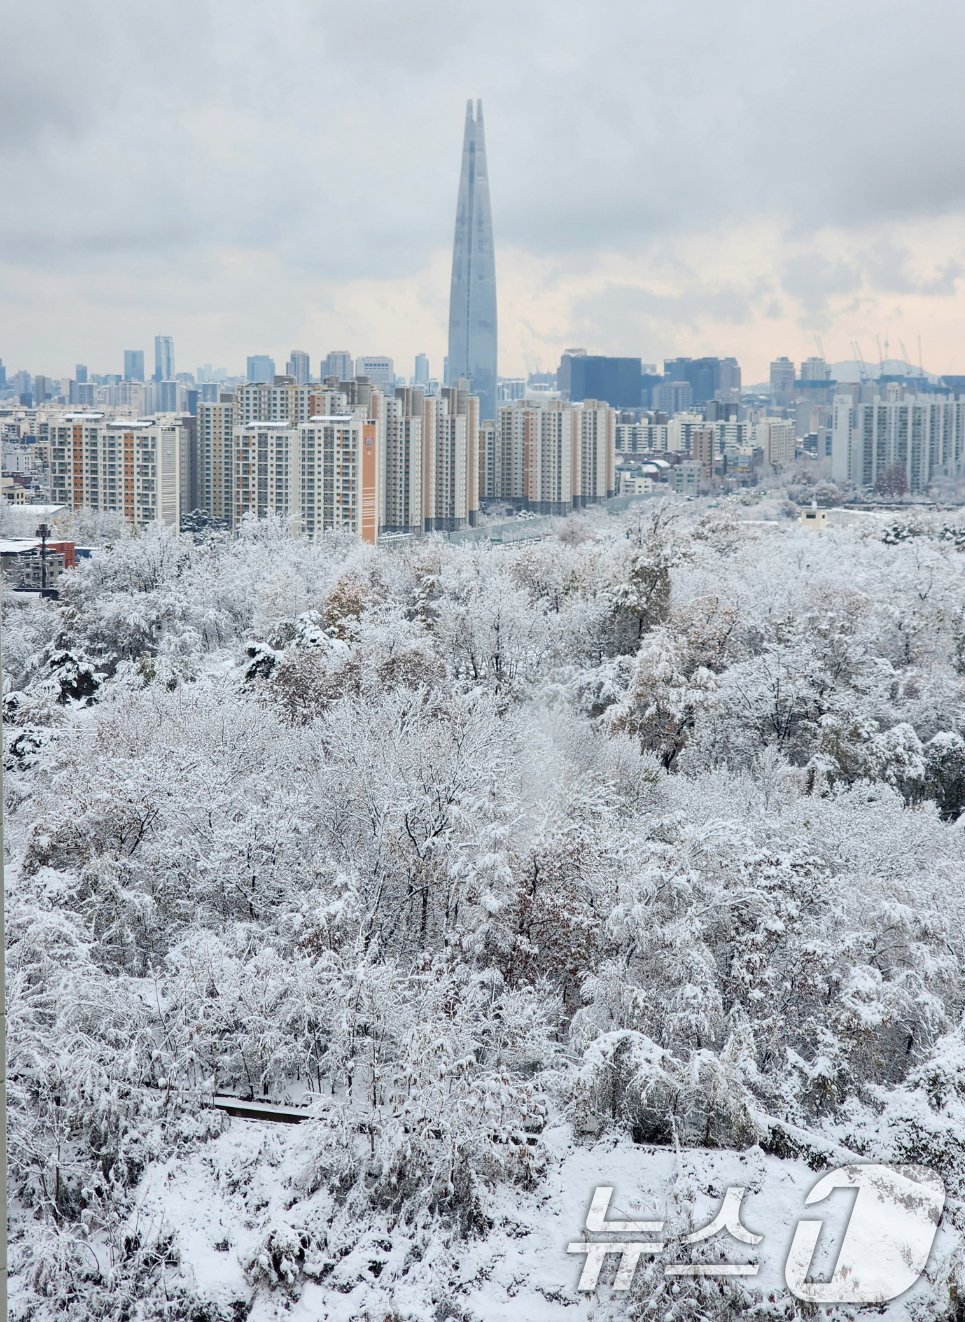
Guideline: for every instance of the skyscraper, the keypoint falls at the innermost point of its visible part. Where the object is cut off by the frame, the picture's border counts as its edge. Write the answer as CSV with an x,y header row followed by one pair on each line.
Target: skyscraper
x,y
134,365
472,298
782,382
163,358
260,367
338,364
299,366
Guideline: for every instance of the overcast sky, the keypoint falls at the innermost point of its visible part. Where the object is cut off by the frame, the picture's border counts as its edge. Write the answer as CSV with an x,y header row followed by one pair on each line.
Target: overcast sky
x,y
681,177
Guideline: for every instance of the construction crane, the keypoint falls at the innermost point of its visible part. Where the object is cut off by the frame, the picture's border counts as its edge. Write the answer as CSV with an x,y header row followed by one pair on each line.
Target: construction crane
x,y
856,350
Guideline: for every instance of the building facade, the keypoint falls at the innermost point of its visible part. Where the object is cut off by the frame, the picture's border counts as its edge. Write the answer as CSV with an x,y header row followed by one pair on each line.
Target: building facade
x,y
119,466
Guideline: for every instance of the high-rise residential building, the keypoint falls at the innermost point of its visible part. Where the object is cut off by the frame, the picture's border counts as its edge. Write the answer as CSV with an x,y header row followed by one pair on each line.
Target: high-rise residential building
x,y
775,437
450,466
131,396
299,367
379,370
163,358
420,376
616,381
337,364
118,466
703,450
641,437
782,382
271,401
321,475
897,442
134,365
549,455
594,456
403,451
472,297
260,368
214,475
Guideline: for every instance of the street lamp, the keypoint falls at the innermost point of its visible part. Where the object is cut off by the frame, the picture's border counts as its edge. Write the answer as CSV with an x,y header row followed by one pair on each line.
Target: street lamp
x,y
43,532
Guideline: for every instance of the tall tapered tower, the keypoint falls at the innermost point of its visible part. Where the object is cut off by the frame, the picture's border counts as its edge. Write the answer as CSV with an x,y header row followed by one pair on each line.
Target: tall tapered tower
x,y
472,298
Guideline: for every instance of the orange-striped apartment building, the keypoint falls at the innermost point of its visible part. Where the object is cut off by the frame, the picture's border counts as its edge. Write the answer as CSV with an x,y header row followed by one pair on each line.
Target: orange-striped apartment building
x,y
131,467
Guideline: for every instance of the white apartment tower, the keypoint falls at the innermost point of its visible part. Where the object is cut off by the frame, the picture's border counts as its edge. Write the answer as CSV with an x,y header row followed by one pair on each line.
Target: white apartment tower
x,y
214,478
450,462
899,443
549,455
119,466
402,423
320,476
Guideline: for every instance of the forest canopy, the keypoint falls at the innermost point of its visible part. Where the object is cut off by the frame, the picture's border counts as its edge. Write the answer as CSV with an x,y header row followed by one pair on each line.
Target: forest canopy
x,y
649,832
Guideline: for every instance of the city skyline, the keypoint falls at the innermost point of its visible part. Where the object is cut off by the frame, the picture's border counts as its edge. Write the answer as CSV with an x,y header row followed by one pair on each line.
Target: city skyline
x,y
654,216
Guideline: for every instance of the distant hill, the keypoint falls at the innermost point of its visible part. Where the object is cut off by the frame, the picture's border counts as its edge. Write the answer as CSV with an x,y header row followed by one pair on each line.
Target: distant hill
x,y
851,370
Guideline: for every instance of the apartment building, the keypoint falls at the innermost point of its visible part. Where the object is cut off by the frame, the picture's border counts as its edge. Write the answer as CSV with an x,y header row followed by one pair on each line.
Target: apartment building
x,y
321,476
131,467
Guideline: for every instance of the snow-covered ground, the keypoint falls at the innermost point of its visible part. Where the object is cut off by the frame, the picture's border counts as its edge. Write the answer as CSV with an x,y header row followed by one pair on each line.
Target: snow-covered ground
x,y
226,1198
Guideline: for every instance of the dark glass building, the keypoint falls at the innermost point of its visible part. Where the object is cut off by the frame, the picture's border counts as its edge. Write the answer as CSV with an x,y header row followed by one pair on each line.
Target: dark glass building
x,y
616,381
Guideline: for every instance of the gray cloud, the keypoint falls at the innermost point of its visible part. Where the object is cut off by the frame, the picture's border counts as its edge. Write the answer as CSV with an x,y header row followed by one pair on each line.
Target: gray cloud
x,y
328,135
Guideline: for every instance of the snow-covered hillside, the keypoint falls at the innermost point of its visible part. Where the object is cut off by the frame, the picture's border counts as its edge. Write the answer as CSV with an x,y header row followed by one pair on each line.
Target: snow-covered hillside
x,y
633,857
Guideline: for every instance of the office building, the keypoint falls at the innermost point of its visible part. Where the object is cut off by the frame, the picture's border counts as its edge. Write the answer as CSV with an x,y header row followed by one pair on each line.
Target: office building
x,y
299,367
168,397
260,368
815,369
420,376
782,382
709,378
673,397
337,365
472,297
615,381
163,358
378,369
133,364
